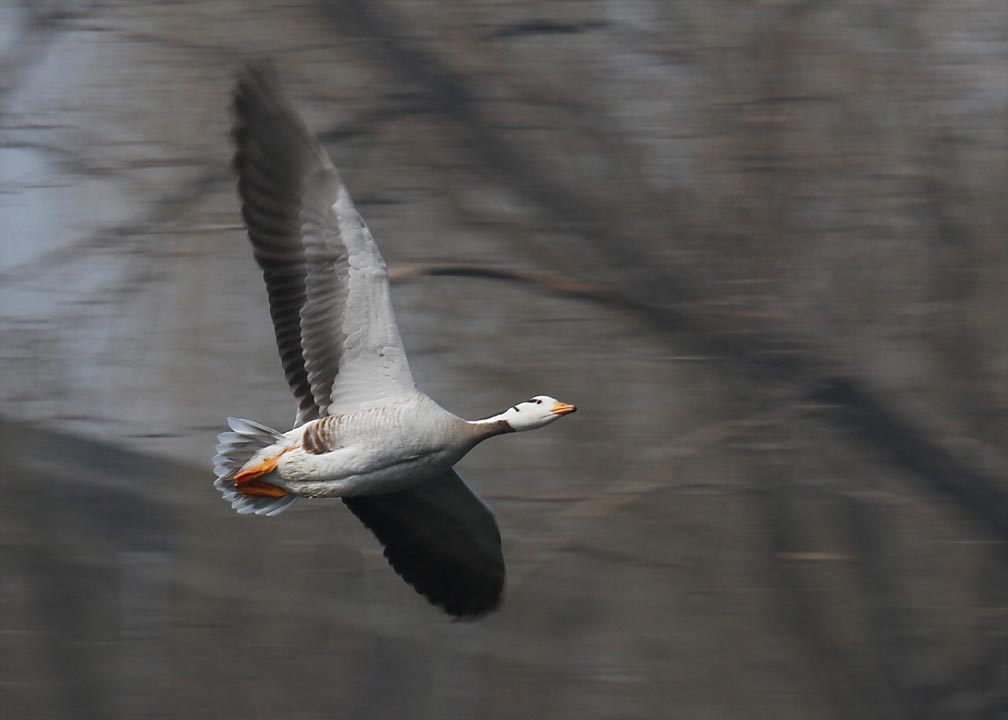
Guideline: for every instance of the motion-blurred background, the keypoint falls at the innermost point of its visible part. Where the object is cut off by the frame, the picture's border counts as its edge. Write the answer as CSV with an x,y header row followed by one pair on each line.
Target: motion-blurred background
x,y
759,243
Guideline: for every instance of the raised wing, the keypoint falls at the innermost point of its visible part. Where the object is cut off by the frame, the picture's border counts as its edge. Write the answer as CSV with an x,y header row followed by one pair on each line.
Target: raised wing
x,y
441,539
353,354
326,279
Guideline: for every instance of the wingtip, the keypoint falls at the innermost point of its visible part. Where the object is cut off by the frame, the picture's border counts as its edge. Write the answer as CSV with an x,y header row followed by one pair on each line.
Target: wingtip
x,y
254,82
256,71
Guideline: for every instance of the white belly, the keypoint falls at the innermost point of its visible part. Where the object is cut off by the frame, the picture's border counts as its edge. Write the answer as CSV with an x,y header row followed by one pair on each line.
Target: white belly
x,y
348,472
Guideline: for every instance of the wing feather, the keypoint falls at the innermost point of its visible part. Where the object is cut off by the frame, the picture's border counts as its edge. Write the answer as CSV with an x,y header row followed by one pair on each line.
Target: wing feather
x,y
442,539
272,155
325,277
347,282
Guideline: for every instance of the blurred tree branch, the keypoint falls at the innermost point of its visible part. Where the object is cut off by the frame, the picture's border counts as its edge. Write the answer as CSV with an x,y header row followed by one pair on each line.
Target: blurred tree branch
x,y
667,299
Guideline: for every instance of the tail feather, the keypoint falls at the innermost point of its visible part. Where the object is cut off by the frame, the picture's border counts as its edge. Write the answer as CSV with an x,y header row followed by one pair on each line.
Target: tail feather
x,y
234,450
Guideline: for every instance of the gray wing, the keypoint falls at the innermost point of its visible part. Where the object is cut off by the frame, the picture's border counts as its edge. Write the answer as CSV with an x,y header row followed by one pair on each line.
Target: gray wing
x,y
442,539
326,279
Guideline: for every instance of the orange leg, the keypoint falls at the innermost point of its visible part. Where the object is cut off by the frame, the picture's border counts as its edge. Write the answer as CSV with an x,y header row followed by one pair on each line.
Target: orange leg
x,y
265,468
258,488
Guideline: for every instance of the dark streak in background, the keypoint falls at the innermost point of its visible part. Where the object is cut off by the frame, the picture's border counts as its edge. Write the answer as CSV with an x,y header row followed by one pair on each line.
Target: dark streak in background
x,y
760,249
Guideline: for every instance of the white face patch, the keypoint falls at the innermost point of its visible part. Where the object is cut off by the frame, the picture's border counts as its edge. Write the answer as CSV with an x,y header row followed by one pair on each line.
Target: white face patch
x,y
531,414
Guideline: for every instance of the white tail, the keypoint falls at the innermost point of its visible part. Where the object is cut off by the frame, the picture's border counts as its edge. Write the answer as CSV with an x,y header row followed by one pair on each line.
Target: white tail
x,y
234,450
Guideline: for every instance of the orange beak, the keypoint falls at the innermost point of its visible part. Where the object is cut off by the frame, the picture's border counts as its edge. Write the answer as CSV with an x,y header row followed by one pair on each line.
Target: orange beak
x,y
562,408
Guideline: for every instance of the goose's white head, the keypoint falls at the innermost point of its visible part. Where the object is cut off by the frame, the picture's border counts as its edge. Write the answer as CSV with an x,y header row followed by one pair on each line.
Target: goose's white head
x,y
535,413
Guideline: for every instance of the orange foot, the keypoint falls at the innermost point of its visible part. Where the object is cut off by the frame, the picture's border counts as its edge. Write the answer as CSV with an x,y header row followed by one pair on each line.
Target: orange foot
x,y
265,468
259,488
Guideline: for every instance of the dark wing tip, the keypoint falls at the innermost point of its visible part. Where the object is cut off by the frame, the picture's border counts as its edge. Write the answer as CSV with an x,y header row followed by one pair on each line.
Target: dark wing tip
x,y
256,77
459,591
255,83
435,553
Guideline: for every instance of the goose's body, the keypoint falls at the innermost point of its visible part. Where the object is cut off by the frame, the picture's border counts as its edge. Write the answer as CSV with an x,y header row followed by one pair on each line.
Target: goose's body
x,y
376,451
364,432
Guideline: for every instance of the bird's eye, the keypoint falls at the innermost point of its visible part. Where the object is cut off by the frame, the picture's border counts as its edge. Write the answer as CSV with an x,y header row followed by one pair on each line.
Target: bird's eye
x,y
538,402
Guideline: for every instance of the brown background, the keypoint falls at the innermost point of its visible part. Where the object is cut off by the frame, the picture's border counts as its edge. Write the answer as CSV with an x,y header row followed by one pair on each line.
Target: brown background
x,y
760,244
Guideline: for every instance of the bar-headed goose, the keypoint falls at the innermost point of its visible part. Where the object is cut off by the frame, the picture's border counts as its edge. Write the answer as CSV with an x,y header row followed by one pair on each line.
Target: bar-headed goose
x,y
363,432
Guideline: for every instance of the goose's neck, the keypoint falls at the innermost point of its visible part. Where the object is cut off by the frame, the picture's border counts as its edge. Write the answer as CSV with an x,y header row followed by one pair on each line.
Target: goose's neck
x,y
488,427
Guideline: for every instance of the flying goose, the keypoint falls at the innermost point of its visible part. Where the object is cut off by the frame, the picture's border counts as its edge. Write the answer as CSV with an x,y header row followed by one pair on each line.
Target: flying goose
x,y
363,432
